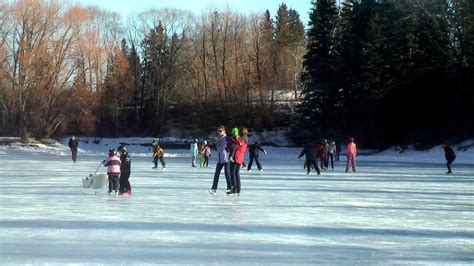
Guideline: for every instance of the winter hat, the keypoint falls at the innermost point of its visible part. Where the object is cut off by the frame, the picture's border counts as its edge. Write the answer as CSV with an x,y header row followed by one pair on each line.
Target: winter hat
x,y
122,148
235,131
111,152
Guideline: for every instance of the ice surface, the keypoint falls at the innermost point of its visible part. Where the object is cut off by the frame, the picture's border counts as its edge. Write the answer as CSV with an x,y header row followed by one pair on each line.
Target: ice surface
x,y
397,209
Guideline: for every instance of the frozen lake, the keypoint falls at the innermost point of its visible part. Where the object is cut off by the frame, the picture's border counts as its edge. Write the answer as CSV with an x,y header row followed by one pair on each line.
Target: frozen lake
x,y
393,211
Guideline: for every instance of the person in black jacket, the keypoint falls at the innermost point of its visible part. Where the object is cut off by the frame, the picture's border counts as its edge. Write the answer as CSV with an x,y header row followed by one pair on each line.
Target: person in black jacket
x,y
253,155
310,151
125,170
449,155
73,144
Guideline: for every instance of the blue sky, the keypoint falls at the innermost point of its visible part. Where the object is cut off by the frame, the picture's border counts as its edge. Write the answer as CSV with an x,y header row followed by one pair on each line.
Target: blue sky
x,y
130,7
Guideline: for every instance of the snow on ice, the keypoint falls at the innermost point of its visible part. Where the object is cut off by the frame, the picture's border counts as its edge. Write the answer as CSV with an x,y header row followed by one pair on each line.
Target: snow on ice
x,y
397,209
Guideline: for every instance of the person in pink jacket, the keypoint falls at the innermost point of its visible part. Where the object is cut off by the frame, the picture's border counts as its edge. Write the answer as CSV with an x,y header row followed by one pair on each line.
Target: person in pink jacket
x,y
351,155
113,171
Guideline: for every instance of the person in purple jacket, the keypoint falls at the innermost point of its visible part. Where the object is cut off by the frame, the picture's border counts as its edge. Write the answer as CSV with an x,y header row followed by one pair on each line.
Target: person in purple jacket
x,y
222,160
113,171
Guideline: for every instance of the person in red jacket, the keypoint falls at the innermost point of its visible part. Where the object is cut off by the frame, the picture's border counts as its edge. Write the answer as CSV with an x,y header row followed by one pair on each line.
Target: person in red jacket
x,y
351,155
320,155
239,159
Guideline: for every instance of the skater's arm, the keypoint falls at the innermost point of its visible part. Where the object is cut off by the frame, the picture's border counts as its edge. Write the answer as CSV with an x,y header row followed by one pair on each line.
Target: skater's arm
x,y
261,149
303,152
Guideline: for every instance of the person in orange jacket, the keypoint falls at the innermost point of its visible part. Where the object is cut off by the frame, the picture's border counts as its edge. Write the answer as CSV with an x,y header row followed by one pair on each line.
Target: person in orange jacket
x,y
351,155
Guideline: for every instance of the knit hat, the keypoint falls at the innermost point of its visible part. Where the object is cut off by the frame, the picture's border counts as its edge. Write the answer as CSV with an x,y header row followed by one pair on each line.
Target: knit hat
x,y
235,131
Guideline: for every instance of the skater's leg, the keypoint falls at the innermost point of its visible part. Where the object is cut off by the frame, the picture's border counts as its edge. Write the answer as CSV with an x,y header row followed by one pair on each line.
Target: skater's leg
x,y
227,176
111,183
233,173
353,161
249,166
332,160
162,161
259,165
448,164
347,163
116,183
237,178
232,168
315,164
124,183
74,155
216,175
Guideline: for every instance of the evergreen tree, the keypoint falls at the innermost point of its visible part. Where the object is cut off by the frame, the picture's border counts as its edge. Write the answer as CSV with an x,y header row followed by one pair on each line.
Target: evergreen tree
x,y
296,27
318,77
135,68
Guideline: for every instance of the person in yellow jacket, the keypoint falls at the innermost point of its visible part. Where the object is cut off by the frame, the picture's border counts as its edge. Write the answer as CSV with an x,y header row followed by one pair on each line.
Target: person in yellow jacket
x,y
158,154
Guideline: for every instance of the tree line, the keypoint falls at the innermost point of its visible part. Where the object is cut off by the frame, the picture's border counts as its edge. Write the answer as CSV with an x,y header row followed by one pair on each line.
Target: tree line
x,y
384,71
68,69
390,71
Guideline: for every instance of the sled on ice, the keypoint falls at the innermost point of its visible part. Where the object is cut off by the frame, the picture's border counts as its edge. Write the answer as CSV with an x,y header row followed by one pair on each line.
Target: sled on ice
x,y
94,182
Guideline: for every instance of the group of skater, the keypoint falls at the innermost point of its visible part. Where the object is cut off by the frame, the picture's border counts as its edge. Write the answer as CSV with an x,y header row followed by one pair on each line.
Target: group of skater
x,y
118,171
230,157
200,151
326,152
231,151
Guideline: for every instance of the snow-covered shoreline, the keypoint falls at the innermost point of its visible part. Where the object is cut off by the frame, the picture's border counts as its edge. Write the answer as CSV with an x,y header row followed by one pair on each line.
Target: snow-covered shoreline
x,y
139,147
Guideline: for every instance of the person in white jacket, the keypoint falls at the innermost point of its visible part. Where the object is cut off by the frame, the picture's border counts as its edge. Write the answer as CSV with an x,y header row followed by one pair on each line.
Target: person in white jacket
x,y
194,151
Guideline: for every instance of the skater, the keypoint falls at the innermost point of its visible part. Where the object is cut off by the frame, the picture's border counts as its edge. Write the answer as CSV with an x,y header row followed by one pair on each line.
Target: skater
x,y
193,149
331,152
239,159
222,160
202,148
73,144
207,154
233,143
125,170
310,161
113,171
449,155
351,155
158,154
253,155
326,153
338,150
320,154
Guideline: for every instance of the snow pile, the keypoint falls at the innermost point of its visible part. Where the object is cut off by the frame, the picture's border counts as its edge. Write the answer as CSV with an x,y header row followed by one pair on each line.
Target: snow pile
x,y
277,137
